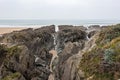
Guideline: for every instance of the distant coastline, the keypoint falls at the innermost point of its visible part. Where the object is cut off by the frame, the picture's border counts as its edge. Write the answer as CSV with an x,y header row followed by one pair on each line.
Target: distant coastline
x,y
38,23
10,28
7,26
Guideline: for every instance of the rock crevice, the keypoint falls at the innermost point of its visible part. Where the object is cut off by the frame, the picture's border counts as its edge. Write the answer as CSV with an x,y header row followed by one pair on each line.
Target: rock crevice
x,y
63,52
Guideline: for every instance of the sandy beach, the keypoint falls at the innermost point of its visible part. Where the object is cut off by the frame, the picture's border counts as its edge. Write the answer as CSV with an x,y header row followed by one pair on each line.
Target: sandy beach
x,y
8,29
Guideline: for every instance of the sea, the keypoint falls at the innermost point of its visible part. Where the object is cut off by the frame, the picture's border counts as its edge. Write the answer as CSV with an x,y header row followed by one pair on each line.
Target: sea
x,y
38,23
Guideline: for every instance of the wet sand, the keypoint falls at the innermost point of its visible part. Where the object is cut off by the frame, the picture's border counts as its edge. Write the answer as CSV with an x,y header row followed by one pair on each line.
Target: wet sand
x,y
8,30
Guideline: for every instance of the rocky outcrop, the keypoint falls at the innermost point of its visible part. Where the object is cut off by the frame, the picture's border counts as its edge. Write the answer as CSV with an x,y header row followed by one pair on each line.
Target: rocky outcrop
x,y
94,26
65,67
97,60
102,61
62,27
92,33
69,35
26,35
70,53
69,42
26,55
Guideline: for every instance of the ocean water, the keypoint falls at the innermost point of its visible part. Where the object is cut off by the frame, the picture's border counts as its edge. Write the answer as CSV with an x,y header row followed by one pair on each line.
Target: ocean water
x,y
37,23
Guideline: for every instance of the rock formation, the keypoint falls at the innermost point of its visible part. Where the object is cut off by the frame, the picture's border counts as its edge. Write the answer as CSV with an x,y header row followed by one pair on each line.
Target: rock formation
x,y
26,55
102,61
65,52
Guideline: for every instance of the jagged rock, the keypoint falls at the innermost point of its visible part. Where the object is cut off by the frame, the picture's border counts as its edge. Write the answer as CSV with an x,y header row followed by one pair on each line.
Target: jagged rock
x,y
71,69
62,70
81,27
70,41
21,54
26,35
17,59
62,27
92,33
27,54
18,36
94,26
49,29
3,52
69,35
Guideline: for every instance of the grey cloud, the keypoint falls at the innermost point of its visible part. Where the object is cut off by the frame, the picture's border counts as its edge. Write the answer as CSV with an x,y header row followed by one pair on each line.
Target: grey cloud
x,y
60,9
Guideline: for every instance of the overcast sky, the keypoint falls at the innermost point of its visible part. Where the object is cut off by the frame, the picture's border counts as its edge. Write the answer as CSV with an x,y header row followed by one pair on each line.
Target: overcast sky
x,y
59,9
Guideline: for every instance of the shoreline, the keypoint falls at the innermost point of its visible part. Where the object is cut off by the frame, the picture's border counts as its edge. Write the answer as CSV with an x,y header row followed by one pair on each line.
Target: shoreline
x,y
4,30
41,25
10,28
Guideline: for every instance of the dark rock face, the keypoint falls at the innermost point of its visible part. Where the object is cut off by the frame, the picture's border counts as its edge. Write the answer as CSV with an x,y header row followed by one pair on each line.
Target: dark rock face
x,y
26,35
69,35
49,29
18,36
3,52
72,53
27,54
69,42
81,27
65,69
19,60
94,26
62,27
92,33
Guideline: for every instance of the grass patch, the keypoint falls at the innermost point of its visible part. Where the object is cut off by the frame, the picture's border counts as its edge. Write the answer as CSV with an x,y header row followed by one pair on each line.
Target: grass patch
x,y
103,61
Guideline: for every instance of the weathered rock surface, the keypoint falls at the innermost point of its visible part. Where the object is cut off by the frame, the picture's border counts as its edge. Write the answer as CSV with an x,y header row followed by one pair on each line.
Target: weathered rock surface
x,y
69,41
94,26
92,33
72,34
71,53
102,61
62,27
27,54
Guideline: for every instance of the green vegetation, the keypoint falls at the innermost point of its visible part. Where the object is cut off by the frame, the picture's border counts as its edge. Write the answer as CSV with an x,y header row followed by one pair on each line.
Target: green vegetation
x,y
108,34
13,50
103,61
13,76
108,55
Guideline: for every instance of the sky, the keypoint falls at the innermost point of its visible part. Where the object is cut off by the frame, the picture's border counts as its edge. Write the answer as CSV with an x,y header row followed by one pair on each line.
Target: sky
x,y
60,9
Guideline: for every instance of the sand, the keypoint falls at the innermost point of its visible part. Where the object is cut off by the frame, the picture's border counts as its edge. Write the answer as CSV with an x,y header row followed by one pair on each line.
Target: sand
x,y
8,30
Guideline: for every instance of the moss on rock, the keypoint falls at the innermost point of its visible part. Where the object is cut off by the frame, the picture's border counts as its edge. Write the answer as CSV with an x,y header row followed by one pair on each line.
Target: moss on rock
x,y
13,76
103,61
